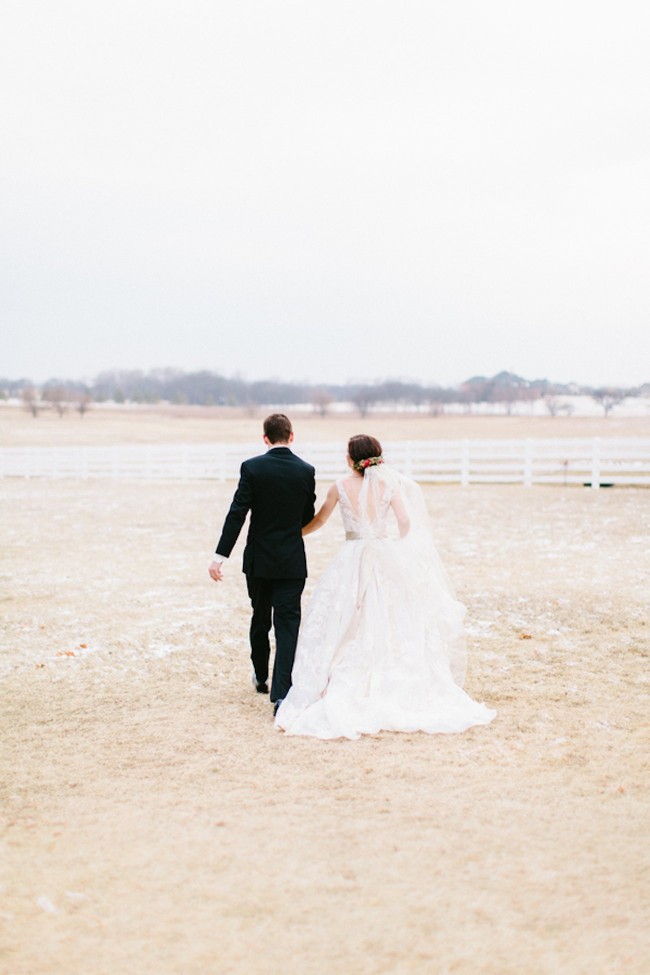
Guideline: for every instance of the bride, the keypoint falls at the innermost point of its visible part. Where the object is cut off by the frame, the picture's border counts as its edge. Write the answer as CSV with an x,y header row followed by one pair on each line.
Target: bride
x,y
381,643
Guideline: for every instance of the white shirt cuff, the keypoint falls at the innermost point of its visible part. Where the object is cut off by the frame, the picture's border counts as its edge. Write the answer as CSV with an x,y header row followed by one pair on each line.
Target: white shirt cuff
x,y
218,558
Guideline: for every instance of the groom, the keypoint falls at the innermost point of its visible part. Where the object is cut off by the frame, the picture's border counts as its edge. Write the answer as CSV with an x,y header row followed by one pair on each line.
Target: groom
x,y
278,490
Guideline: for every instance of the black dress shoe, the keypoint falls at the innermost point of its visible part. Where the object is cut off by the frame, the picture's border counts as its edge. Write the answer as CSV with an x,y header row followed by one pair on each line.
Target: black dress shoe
x,y
276,705
260,685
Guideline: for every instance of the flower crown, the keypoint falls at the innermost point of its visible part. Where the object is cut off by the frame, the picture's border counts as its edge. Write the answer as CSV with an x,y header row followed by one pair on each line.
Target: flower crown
x,y
361,465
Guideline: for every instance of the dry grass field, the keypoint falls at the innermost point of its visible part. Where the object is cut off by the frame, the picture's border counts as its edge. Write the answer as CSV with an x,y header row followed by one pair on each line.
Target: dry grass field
x,y
154,822
105,426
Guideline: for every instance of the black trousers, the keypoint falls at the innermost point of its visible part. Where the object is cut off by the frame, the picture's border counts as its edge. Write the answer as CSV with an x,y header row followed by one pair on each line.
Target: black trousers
x,y
275,602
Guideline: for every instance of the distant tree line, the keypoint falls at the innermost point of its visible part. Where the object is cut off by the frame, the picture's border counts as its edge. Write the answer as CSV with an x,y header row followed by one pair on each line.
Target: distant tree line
x,y
205,388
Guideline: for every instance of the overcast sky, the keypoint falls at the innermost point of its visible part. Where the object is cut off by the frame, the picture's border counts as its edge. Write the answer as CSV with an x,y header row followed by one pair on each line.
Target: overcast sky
x,y
326,189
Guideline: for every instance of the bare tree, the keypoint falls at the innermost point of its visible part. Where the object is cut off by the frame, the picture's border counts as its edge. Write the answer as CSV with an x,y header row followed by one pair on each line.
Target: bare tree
x,y
608,397
321,401
363,399
438,397
58,398
31,400
555,406
468,396
507,396
83,404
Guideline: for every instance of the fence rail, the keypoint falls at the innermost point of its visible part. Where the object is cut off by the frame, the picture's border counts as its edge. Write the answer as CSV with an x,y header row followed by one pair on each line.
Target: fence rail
x,y
595,462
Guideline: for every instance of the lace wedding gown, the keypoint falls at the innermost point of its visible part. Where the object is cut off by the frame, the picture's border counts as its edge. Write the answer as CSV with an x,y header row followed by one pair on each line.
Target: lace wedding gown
x,y
381,644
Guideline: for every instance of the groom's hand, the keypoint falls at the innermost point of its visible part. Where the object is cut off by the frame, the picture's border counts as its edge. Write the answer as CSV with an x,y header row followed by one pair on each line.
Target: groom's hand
x,y
214,570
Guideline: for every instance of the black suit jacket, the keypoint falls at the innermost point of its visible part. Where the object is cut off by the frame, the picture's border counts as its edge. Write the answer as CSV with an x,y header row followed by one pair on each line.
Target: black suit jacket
x,y
278,490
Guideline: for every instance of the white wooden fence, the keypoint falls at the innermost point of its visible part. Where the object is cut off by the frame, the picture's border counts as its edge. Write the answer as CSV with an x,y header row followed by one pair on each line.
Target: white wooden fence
x,y
594,462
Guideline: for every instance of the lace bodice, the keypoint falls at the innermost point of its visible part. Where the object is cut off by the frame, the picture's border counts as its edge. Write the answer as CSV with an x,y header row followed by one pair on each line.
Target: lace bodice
x,y
373,524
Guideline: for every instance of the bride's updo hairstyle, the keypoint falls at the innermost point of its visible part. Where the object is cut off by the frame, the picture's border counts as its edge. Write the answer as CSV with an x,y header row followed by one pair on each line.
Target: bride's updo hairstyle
x,y
364,452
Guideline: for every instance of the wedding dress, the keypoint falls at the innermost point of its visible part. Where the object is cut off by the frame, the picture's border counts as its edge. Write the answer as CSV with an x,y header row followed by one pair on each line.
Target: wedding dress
x,y
381,644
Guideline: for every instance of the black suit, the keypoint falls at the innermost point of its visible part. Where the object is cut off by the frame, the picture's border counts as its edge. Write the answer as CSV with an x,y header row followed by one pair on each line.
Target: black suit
x,y
278,490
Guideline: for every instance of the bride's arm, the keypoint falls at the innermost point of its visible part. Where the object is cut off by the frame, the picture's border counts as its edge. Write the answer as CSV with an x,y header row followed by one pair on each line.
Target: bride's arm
x,y
326,510
403,522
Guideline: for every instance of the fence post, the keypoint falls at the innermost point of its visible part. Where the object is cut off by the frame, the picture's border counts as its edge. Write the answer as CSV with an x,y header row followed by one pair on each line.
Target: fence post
x,y
528,463
408,459
595,463
464,463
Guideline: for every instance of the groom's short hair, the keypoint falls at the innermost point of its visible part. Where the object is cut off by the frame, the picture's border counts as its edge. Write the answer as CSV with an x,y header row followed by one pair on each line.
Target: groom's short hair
x,y
277,428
